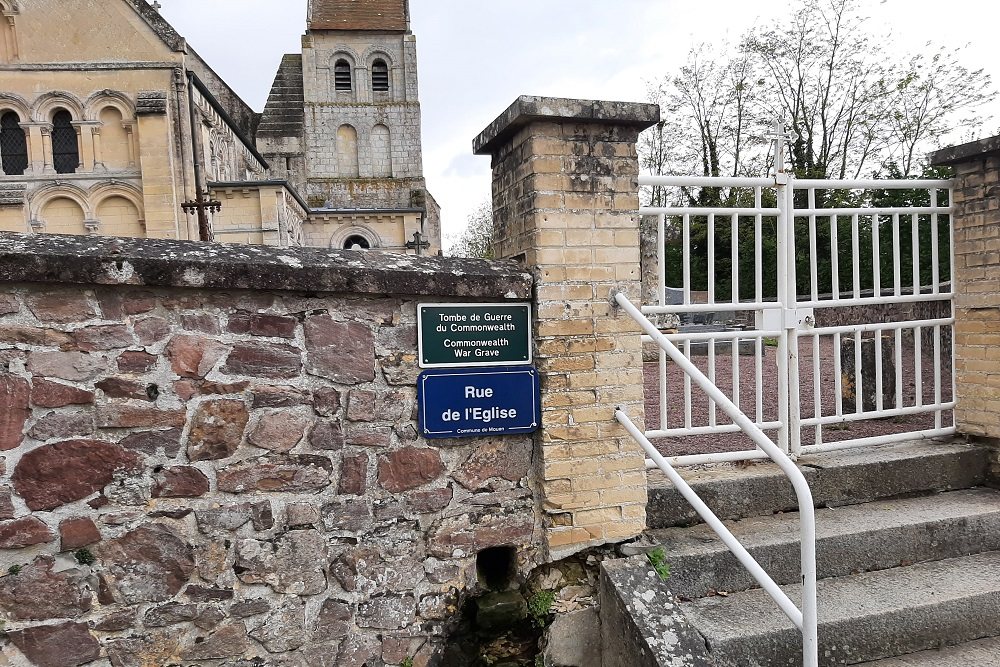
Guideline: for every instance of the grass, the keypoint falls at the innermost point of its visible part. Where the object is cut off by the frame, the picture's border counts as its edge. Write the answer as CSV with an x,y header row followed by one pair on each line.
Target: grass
x,y
658,559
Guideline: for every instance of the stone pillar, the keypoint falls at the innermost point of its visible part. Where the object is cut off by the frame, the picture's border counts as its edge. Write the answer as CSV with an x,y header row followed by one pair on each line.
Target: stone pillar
x,y
565,204
976,276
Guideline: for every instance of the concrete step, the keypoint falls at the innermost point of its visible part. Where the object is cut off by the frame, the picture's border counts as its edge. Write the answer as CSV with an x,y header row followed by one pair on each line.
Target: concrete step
x,y
979,653
854,538
847,477
863,617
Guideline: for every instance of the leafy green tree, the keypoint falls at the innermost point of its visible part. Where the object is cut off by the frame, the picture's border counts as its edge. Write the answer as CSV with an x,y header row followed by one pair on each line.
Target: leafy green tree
x,y
476,240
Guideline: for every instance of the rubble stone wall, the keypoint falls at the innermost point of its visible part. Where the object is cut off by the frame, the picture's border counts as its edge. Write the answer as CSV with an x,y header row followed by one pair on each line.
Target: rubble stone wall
x,y
204,462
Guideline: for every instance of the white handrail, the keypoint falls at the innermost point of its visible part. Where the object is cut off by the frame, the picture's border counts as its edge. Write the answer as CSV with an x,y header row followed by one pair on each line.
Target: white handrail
x,y
804,619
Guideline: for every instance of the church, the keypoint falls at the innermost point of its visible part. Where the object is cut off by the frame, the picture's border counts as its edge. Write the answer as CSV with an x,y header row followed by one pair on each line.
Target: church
x,y
112,124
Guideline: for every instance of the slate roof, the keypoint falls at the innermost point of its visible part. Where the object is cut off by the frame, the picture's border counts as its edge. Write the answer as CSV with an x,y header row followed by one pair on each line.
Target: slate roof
x,y
284,113
375,15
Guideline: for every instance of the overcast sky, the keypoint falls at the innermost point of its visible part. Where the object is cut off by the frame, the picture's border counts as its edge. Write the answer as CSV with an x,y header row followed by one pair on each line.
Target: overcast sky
x,y
476,57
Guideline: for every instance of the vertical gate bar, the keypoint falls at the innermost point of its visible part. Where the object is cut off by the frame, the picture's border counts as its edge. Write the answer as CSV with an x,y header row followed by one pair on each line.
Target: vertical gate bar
x,y
899,368
817,396
711,258
937,375
686,233
918,380
838,378
935,250
878,370
791,327
759,377
858,382
897,257
736,372
712,416
813,254
834,260
782,295
876,258
661,258
951,281
915,249
735,259
758,248
687,387
856,255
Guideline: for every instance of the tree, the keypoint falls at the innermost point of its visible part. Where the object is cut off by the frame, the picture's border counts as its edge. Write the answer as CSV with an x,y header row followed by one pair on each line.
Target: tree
x,y
476,240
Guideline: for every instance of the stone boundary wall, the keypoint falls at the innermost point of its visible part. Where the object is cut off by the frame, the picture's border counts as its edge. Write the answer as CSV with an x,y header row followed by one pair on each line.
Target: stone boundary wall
x,y
209,456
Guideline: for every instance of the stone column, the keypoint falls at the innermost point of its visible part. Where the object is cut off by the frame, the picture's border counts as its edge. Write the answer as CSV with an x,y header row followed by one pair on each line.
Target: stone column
x,y
976,277
565,204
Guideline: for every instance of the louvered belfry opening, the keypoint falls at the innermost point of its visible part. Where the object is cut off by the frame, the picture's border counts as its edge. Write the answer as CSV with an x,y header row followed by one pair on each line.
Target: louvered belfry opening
x,y
13,145
380,77
65,149
342,76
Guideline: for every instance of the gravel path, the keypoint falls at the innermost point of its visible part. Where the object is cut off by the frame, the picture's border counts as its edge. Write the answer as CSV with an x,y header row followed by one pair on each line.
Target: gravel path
x,y
723,442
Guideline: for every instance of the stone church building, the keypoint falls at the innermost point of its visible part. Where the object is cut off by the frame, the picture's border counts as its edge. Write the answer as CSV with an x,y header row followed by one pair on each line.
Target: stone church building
x,y
111,124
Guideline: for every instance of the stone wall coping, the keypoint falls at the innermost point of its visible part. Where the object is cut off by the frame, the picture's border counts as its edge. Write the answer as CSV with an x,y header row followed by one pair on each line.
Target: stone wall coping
x,y
974,150
528,109
49,258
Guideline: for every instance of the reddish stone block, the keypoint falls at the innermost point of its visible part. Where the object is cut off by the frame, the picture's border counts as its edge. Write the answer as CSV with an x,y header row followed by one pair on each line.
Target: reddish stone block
x,y
117,305
279,431
150,330
48,394
217,430
263,360
326,401
149,564
424,502
61,645
137,415
36,593
150,442
506,458
187,389
353,475
180,482
8,304
77,533
265,326
408,468
115,387
63,308
6,505
25,532
194,356
20,335
363,436
14,412
327,436
62,425
270,396
109,337
54,475
72,366
342,352
201,322
361,405
287,473
136,362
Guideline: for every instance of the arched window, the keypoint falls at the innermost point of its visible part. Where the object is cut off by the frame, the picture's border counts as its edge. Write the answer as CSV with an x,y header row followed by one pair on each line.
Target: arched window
x,y
380,76
13,145
357,242
381,152
347,152
65,148
114,139
343,81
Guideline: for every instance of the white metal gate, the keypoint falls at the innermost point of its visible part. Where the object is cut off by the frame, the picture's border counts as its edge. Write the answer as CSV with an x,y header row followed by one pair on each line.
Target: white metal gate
x,y
788,369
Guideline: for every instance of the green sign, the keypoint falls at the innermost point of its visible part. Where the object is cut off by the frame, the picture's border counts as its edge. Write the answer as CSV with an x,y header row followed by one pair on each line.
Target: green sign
x,y
473,334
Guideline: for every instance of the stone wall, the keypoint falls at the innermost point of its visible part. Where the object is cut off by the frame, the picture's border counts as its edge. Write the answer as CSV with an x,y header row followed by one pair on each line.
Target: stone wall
x,y
209,455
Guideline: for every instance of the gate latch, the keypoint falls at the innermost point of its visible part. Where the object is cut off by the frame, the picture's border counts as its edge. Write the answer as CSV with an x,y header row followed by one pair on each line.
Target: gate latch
x,y
798,318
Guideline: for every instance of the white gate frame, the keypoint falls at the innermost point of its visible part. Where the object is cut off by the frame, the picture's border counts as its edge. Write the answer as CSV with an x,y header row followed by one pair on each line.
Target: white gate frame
x,y
791,317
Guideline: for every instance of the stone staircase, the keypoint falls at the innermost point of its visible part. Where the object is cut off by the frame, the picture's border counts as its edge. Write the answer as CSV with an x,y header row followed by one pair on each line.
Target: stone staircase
x,y
908,557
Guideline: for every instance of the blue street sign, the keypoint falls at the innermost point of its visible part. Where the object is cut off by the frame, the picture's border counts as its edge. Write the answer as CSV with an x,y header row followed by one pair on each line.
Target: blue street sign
x,y
471,402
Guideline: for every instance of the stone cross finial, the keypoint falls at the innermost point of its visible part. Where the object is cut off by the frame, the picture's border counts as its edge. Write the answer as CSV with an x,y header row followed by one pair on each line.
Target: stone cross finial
x,y
157,6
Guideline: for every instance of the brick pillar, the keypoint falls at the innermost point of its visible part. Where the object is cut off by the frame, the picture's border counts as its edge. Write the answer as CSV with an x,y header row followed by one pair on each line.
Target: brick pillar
x,y
976,276
565,204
